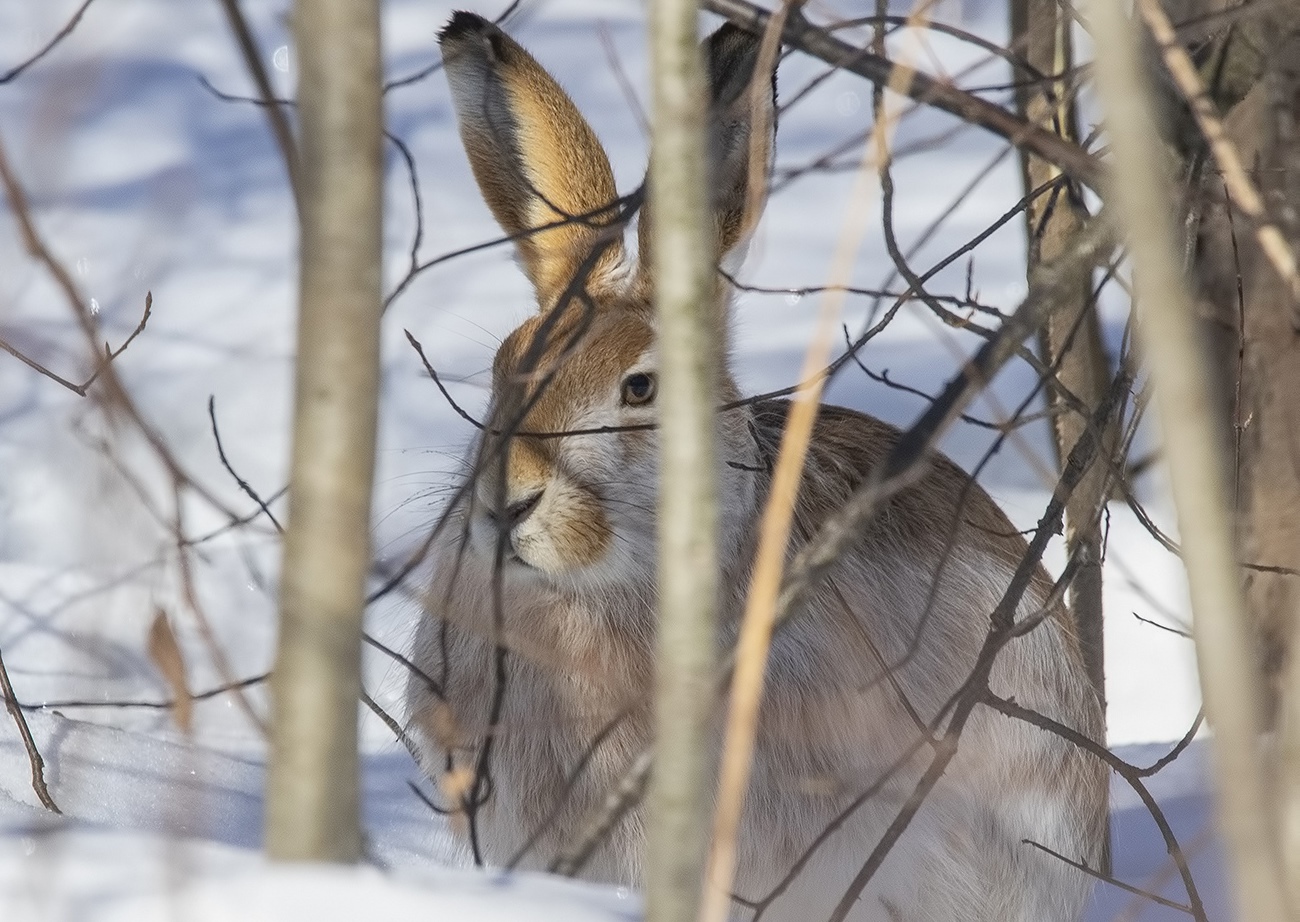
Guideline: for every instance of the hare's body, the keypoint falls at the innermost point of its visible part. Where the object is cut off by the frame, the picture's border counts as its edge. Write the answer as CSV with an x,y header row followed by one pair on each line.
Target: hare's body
x,y
832,724
881,644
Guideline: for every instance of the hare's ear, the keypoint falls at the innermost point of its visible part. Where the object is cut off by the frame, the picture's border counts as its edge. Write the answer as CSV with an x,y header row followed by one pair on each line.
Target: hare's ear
x,y
536,159
742,131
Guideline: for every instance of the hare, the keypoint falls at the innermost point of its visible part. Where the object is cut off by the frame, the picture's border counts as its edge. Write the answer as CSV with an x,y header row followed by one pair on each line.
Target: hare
x,y
550,550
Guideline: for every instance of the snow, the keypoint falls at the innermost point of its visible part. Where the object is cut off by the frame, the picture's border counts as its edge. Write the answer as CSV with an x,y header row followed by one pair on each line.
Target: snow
x,y
121,876
141,180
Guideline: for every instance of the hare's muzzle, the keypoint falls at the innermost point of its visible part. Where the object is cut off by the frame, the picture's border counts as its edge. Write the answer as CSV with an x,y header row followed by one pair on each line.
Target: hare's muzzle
x,y
515,512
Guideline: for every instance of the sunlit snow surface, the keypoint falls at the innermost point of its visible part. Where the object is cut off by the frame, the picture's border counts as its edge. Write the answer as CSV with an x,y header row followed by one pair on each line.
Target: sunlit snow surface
x,y
141,180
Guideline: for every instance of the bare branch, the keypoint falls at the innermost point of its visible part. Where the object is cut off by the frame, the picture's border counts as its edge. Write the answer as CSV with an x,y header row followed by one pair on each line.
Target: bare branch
x,y
33,754
626,794
165,705
109,356
78,389
460,411
280,129
1113,881
243,484
799,33
12,74
1130,775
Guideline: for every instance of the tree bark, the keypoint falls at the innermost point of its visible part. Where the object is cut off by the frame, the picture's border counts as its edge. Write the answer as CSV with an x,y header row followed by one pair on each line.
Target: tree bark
x,y
1247,311
312,789
1140,198
1268,421
681,787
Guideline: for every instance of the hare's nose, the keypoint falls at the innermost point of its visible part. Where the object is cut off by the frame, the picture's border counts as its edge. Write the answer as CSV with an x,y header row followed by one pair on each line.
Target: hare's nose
x,y
516,512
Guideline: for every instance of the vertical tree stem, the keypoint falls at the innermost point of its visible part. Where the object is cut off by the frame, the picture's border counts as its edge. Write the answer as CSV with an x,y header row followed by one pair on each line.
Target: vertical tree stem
x,y
685,293
1071,339
312,790
1142,199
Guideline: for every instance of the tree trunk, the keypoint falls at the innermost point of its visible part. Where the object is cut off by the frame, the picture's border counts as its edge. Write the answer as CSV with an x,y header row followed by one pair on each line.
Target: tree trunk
x,y
1245,309
681,787
1251,70
1141,198
312,791
1268,419
1071,339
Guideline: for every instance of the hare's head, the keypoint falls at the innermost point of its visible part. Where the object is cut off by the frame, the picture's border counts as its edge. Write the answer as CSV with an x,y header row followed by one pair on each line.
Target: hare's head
x,y
568,484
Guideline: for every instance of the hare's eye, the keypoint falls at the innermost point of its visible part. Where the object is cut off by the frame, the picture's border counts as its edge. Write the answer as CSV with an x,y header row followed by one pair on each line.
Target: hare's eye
x,y
638,389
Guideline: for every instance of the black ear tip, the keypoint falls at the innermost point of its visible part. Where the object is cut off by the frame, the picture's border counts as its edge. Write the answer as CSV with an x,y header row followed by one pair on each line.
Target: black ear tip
x,y
730,32
732,54
731,42
462,25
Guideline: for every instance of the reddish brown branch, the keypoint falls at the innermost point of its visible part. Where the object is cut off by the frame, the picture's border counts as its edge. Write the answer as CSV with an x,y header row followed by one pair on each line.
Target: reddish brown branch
x,y
274,114
1106,878
110,355
49,46
810,39
1132,775
33,754
115,396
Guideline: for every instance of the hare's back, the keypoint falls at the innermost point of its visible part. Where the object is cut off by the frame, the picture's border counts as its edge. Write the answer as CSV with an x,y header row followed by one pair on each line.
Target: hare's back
x,y
945,508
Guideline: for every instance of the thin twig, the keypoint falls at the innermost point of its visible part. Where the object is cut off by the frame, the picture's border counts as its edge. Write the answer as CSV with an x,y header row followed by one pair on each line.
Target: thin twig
x,y
36,366
570,783
243,484
390,722
799,33
116,395
274,114
1164,627
1106,878
49,46
190,594
1178,748
428,366
1130,774
164,705
622,798
33,754
110,355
